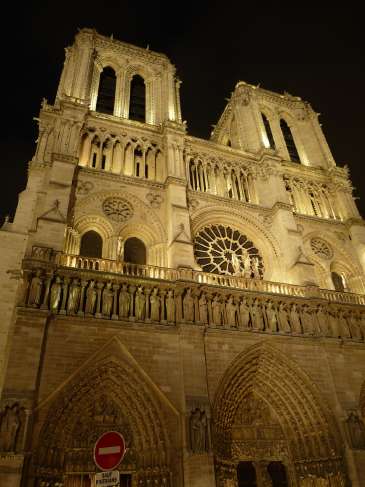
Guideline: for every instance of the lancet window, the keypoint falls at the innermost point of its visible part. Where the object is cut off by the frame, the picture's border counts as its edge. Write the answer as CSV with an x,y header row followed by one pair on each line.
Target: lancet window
x,y
106,93
134,251
137,104
91,244
289,141
229,182
310,198
125,156
268,131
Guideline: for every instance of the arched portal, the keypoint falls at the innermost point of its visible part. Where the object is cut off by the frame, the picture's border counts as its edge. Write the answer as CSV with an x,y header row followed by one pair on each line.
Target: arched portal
x,y
112,395
267,410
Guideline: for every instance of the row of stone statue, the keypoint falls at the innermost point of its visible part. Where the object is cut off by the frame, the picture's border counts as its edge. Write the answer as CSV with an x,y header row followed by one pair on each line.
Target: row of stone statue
x,y
73,296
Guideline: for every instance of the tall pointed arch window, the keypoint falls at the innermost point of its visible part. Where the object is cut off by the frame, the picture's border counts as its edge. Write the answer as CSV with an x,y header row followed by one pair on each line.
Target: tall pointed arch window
x,y
338,282
134,251
137,104
268,131
106,93
289,141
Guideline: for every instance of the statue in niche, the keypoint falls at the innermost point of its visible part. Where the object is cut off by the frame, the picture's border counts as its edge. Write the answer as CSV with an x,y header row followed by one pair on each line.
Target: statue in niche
x,y
322,321
344,329
271,314
332,317
73,297
140,301
203,309
188,306
90,298
155,305
9,427
104,410
198,431
257,316
356,430
306,315
283,319
217,310
352,320
244,314
246,261
231,309
236,264
107,300
55,295
294,319
124,301
255,268
35,290
170,306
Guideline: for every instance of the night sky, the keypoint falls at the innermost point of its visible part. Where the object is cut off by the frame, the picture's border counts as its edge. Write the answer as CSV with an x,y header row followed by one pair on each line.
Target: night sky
x,y
312,53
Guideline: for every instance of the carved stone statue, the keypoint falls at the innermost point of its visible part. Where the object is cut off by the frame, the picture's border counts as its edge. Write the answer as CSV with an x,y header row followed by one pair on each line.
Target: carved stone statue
x,y
170,306
188,306
124,301
255,267
55,295
35,290
244,314
352,320
155,305
217,311
90,298
344,329
332,317
198,431
203,309
356,430
257,316
231,309
246,261
307,323
322,321
272,321
73,297
283,319
9,427
294,319
140,301
107,300
236,264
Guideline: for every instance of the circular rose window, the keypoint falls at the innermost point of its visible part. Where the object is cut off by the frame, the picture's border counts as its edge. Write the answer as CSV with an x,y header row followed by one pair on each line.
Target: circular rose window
x,y
321,248
223,250
117,209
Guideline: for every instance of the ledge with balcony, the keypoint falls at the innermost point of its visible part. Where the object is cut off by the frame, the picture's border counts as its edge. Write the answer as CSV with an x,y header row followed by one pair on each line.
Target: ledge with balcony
x,y
76,286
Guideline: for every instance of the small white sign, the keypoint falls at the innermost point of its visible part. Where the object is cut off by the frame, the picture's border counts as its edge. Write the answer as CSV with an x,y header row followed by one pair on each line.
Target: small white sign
x,y
107,479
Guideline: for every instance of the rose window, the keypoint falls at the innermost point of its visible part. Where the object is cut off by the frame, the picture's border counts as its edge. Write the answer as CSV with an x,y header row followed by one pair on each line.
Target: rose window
x,y
117,209
224,250
321,248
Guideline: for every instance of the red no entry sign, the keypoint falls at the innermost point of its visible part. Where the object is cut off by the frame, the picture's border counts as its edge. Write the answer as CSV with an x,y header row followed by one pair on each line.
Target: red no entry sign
x,y
109,450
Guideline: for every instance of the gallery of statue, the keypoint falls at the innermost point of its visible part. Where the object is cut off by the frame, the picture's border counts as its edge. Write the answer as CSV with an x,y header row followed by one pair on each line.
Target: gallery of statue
x,y
205,298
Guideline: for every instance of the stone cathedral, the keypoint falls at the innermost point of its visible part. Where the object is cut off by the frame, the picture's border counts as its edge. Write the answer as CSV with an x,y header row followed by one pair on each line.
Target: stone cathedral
x,y
205,298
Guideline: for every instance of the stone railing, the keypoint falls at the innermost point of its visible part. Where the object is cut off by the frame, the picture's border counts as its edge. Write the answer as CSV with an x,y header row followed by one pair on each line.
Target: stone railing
x,y
79,287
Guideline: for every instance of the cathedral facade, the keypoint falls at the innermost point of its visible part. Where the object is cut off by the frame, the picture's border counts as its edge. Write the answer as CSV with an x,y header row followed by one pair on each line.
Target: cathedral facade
x,y
205,298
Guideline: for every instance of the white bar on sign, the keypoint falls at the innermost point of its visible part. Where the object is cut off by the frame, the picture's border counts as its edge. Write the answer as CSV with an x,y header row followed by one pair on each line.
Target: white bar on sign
x,y
107,450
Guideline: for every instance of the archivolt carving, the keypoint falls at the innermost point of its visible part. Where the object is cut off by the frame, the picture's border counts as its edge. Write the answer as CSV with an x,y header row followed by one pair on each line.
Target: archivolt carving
x,y
110,395
307,425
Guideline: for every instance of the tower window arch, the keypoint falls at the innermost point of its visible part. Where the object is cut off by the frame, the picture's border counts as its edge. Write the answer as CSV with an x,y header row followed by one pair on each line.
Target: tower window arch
x,y
106,93
268,131
91,245
137,104
134,251
289,141
246,475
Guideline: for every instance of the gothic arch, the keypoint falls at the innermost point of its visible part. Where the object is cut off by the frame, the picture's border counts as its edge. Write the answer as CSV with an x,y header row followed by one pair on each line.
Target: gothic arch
x,y
265,242
292,124
110,391
308,425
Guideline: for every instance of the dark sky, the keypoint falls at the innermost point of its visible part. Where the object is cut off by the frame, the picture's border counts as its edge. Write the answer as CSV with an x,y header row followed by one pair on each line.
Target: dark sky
x,y
312,53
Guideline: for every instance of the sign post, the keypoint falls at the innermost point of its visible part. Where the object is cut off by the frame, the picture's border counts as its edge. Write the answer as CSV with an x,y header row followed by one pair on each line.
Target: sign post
x,y
109,451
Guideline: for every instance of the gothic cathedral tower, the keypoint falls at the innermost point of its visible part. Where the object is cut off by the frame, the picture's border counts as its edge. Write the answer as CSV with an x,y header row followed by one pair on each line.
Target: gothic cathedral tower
x,y
205,298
